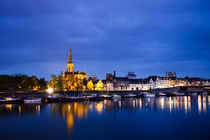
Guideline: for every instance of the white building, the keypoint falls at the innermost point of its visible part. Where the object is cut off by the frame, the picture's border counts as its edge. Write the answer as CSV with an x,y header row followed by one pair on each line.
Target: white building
x,y
108,86
135,86
161,83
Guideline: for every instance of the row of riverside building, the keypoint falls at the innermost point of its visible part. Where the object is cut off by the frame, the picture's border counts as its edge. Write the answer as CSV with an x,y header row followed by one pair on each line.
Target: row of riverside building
x,y
129,82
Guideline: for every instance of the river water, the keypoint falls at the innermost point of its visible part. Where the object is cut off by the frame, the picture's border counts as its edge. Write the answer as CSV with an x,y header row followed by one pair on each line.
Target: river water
x,y
165,118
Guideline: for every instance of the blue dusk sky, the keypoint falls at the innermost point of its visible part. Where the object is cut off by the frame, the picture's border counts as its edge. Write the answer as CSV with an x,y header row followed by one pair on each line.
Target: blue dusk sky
x,y
148,37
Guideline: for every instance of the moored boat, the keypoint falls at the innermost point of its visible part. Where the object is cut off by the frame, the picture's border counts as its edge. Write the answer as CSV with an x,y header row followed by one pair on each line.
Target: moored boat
x,y
147,94
9,100
180,94
90,97
51,98
204,93
71,98
105,96
129,96
160,94
139,95
116,97
32,100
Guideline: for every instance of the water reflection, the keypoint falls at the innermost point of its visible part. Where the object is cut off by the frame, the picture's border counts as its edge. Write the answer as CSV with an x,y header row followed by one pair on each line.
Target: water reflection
x,y
71,111
20,109
74,112
81,109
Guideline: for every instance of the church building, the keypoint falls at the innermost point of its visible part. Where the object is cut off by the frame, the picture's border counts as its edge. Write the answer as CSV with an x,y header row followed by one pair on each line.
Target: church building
x,y
72,77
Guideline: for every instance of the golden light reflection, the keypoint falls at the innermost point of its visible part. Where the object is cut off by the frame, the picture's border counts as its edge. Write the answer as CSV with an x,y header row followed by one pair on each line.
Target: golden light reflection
x,y
105,102
91,107
209,100
170,104
38,108
69,108
9,107
134,103
19,109
185,104
72,111
177,103
204,104
162,103
181,102
99,108
70,121
199,104
189,103
140,103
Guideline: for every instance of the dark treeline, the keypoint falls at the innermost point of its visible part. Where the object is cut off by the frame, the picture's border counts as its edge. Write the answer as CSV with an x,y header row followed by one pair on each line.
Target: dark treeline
x,y
22,83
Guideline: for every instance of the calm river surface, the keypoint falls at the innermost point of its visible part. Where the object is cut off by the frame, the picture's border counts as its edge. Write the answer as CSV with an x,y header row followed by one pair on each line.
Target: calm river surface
x,y
168,118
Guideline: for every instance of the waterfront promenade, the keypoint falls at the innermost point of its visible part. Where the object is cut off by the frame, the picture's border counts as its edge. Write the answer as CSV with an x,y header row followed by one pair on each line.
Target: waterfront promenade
x,y
168,91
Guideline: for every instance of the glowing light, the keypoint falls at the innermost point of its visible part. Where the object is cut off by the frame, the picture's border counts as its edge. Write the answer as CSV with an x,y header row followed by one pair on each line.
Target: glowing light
x,y
8,99
50,90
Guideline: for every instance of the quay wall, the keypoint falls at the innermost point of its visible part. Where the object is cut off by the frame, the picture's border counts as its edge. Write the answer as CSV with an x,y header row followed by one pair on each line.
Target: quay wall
x,y
184,89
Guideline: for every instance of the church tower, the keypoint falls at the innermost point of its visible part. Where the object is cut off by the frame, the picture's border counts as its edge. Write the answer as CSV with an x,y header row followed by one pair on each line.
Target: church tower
x,y
70,65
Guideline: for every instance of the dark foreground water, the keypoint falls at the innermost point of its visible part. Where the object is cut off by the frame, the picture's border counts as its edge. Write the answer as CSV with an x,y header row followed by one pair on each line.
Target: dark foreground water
x,y
167,118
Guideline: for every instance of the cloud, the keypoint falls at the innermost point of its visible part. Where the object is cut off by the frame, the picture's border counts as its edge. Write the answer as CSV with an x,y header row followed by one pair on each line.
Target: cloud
x,y
144,36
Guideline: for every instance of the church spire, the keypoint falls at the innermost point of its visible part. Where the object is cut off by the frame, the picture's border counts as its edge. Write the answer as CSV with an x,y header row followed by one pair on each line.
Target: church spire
x,y
70,57
70,65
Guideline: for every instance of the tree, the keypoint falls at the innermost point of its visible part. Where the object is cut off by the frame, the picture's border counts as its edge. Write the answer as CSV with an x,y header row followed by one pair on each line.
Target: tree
x,y
85,81
42,84
19,82
6,82
29,83
60,83
78,84
90,85
53,82
57,83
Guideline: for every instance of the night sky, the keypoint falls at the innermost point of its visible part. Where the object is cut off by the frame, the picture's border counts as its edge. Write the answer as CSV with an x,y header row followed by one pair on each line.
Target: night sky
x,y
148,37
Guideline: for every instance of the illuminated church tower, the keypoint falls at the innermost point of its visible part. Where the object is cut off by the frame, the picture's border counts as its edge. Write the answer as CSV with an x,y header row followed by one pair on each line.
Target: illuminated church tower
x,y
72,77
70,65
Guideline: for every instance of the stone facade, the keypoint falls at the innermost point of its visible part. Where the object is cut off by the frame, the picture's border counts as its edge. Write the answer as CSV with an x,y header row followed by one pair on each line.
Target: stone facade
x,y
72,77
